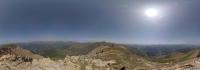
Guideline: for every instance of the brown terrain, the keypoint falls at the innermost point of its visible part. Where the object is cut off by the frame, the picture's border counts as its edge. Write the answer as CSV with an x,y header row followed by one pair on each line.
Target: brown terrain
x,y
106,56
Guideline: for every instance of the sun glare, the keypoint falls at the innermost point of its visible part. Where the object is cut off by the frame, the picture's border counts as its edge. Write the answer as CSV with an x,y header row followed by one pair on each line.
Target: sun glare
x,y
151,12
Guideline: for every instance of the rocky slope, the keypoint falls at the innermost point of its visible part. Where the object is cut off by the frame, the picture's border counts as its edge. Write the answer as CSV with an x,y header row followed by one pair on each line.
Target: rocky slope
x,y
18,51
105,56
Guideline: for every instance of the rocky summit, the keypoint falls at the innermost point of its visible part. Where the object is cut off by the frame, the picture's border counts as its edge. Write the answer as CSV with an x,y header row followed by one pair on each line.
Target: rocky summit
x,y
105,56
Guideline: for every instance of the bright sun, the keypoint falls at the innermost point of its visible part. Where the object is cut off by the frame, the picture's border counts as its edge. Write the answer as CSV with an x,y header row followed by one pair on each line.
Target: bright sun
x,y
151,12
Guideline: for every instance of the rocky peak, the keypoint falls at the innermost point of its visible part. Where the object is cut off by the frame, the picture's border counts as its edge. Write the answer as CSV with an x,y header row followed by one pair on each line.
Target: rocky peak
x,y
18,51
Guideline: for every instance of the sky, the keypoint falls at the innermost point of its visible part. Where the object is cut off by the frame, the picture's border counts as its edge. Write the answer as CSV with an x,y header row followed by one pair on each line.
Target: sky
x,y
123,21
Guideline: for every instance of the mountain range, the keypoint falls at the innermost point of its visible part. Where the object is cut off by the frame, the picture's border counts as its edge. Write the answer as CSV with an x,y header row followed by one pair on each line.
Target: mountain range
x,y
97,56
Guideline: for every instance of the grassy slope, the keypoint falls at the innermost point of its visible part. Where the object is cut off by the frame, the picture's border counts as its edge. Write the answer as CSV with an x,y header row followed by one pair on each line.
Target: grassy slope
x,y
175,57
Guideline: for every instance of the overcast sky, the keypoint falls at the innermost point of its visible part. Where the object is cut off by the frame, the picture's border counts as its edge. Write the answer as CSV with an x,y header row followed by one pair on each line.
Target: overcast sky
x,y
121,21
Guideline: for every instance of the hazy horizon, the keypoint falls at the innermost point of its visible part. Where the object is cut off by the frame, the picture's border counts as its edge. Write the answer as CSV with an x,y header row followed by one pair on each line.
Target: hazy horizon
x,y
59,41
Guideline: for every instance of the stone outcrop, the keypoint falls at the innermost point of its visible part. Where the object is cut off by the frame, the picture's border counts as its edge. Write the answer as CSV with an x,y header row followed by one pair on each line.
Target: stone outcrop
x,y
18,51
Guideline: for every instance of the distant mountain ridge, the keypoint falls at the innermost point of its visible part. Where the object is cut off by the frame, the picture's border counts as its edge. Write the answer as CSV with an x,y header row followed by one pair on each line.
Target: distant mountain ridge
x,y
58,49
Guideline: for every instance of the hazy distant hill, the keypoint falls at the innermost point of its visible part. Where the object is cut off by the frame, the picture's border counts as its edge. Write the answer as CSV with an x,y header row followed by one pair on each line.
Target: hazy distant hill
x,y
58,49
160,50
52,49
